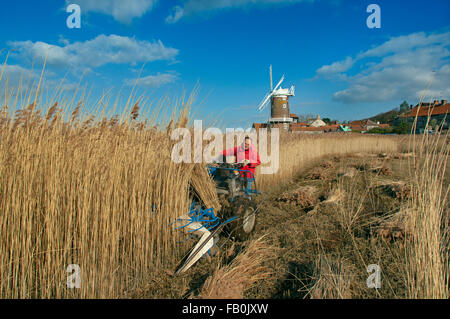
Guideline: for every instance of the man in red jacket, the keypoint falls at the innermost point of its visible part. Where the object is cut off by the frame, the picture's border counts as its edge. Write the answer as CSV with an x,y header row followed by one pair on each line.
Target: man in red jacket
x,y
248,158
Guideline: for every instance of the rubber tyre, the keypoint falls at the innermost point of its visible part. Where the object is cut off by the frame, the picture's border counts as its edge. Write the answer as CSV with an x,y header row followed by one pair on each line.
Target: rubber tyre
x,y
242,228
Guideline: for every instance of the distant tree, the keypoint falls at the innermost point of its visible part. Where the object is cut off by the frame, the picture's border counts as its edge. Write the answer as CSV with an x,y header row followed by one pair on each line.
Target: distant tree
x,y
433,124
326,120
404,107
402,128
386,116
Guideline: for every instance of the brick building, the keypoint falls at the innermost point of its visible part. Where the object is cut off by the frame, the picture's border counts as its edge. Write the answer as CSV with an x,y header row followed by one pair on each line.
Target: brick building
x,y
428,114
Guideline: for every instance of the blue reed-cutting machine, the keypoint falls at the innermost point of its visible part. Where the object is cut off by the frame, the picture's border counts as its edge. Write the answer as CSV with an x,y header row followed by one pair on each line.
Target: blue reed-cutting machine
x,y
237,190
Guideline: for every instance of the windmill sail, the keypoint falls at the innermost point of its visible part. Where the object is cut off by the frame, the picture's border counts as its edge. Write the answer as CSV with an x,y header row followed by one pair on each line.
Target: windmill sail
x,y
279,83
265,101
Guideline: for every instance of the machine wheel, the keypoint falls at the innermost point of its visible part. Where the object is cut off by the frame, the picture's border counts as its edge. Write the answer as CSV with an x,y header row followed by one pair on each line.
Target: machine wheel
x,y
242,227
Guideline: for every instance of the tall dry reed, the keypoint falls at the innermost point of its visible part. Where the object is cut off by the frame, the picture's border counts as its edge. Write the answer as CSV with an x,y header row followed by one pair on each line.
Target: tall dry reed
x,y
298,151
231,281
427,255
99,194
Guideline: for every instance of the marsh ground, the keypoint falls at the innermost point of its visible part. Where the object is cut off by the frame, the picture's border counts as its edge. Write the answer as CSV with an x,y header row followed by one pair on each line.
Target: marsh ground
x,y
324,227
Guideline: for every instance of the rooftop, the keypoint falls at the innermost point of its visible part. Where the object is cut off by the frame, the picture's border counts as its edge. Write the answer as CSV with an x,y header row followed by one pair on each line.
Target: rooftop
x,y
428,110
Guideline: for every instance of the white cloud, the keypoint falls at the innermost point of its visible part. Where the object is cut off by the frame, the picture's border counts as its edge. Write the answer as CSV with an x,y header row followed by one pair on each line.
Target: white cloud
x,y
154,81
191,7
102,50
121,10
407,43
400,68
336,67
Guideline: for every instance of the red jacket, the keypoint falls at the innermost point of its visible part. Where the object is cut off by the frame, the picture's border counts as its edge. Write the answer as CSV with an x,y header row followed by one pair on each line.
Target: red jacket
x,y
241,154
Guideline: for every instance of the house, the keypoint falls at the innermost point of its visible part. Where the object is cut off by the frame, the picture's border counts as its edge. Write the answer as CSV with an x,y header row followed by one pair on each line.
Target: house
x,y
365,125
332,128
428,115
317,122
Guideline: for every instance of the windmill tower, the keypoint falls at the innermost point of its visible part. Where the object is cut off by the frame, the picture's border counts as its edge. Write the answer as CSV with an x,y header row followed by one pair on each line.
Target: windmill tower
x,y
279,104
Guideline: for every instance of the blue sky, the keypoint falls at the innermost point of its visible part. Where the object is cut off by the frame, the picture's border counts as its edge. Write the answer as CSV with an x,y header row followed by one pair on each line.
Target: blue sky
x,y
341,69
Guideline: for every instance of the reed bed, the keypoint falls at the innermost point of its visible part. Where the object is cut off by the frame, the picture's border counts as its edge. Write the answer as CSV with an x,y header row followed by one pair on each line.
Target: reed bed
x,y
231,281
427,256
333,279
98,194
101,193
298,151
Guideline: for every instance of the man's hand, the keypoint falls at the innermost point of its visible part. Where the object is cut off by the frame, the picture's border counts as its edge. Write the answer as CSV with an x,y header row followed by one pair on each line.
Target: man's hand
x,y
245,162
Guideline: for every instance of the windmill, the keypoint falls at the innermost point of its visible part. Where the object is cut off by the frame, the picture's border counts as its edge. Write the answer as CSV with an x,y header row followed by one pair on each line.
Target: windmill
x,y
279,102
